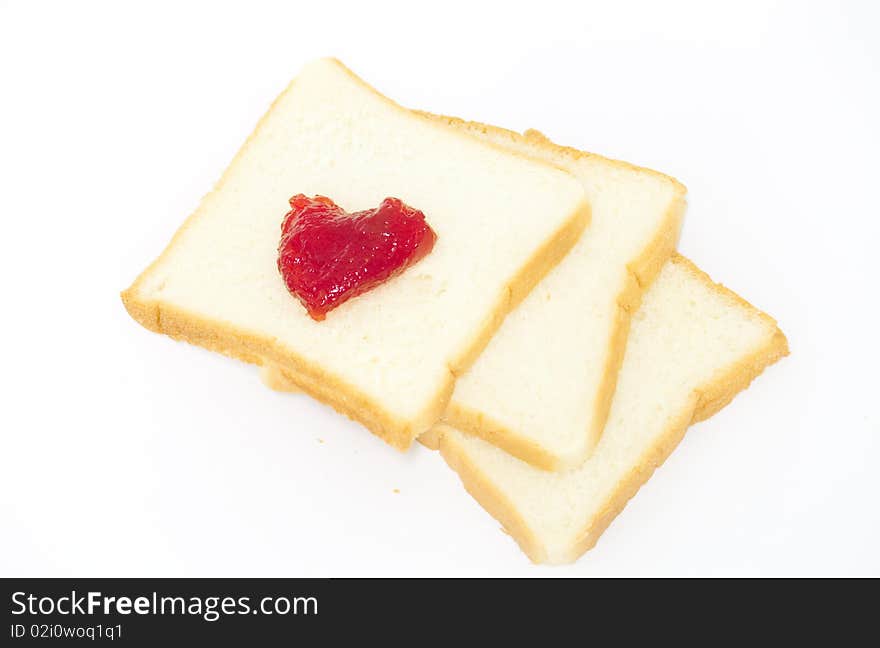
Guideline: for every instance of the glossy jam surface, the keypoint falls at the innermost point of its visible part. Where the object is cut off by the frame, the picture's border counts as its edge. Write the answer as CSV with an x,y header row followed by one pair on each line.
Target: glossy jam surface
x,y
327,255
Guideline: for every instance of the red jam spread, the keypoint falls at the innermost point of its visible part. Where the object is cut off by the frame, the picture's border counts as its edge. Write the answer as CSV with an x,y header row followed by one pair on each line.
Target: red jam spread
x,y
327,255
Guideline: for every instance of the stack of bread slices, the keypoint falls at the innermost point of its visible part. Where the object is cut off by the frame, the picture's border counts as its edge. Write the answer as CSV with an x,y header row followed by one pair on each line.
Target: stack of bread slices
x,y
570,346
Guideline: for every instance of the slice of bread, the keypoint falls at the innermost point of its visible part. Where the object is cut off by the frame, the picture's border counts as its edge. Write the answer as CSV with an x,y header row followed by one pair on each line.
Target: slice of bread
x,y
389,357
694,345
542,388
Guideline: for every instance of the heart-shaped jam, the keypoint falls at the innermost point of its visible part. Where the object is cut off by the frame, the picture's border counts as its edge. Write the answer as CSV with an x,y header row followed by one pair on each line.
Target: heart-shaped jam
x,y
327,255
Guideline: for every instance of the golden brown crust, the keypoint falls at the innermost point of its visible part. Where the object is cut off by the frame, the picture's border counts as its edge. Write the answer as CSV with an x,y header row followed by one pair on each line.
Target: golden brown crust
x,y
479,424
705,401
323,385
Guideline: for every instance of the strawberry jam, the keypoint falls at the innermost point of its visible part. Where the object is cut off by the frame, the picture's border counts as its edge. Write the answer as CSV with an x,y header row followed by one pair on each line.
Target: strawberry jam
x,y
327,255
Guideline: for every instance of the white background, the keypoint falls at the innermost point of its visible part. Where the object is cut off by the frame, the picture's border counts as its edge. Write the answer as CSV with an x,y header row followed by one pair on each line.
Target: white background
x,y
124,453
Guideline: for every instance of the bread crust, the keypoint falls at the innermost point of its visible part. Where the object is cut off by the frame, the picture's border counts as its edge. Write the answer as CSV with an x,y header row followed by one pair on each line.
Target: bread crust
x,y
705,401
324,386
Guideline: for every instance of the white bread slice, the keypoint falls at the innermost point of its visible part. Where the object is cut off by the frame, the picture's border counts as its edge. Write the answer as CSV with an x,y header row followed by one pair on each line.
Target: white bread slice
x,y
542,388
389,357
694,345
